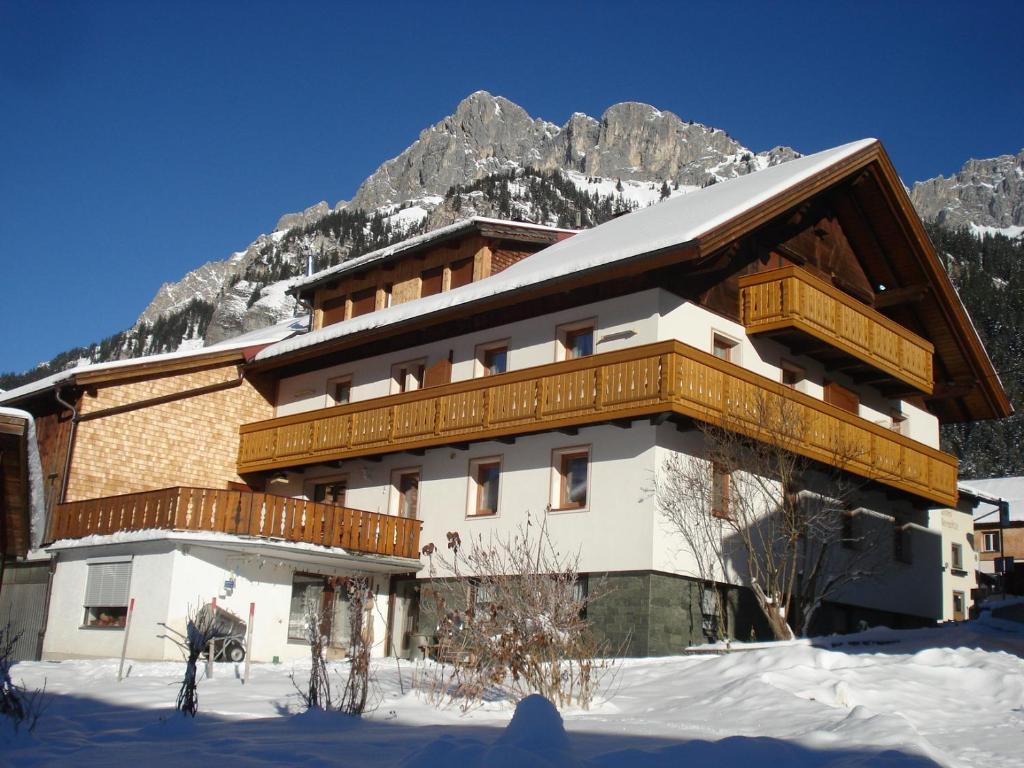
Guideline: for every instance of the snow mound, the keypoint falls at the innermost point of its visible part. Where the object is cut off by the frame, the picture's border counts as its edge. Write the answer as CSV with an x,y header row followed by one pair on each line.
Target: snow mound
x,y
534,737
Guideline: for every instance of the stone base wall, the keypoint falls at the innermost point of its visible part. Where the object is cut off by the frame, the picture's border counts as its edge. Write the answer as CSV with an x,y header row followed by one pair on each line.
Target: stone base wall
x,y
647,613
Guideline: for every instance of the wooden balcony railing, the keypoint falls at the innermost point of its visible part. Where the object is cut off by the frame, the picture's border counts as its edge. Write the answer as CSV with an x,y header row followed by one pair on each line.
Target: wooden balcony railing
x,y
241,513
792,299
655,378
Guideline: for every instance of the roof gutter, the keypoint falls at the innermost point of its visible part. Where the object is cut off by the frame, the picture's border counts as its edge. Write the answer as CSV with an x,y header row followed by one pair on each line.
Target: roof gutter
x,y
67,453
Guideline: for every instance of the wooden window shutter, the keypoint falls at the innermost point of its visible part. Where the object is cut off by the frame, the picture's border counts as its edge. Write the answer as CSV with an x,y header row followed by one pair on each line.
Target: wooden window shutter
x,y
461,273
841,397
364,302
333,310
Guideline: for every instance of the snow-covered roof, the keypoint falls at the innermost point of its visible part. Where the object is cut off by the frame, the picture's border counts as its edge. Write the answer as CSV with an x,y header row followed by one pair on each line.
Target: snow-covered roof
x,y
415,242
267,335
669,223
993,489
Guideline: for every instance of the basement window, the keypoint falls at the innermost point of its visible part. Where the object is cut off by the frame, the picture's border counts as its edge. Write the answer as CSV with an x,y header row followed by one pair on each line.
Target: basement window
x,y
106,594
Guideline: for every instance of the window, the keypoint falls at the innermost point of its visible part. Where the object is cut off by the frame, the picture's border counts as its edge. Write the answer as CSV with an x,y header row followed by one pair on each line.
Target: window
x,y
990,541
721,489
406,488
898,421
106,593
841,397
332,492
323,596
461,273
432,281
492,358
956,560
792,375
576,340
572,471
339,391
485,476
724,348
407,376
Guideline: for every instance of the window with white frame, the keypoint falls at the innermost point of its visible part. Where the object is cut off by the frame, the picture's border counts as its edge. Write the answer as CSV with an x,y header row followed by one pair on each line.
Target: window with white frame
x,y
571,481
725,348
405,492
323,598
331,491
990,541
106,593
792,374
576,339
406,377
956,560
484,486
492,358
339,390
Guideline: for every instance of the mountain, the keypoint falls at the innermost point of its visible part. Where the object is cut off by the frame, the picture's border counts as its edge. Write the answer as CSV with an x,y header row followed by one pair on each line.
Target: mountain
x,y
986,195
488,158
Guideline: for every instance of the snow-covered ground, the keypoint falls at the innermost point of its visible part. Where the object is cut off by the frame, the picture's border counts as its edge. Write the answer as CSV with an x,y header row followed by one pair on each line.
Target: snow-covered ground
x,y
952,696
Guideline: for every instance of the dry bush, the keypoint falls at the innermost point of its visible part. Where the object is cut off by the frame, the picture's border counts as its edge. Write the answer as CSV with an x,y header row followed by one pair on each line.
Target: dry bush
x,y
19,705
510,622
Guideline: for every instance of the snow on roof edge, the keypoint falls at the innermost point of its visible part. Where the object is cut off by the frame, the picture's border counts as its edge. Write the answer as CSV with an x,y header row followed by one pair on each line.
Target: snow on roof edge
x,y
669,223
268,335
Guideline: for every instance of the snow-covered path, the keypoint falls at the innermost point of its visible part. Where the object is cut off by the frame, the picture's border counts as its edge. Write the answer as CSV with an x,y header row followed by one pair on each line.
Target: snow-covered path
x,y
950,696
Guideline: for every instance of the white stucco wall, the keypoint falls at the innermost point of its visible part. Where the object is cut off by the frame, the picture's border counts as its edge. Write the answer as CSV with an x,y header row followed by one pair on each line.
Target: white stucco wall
x,y
614,532
619,323
956,527
169,579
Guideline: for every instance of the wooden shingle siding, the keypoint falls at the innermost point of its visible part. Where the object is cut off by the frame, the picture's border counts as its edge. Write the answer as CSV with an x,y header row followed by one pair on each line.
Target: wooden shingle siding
x,y
186,440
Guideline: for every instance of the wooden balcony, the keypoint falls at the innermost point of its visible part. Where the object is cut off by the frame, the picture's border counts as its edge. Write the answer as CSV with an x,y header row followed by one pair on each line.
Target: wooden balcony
x,y
791,301
656,378
261,515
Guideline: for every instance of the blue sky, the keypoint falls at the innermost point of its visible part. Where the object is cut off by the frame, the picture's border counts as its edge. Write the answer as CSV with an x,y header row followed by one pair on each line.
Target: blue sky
x,y
139,140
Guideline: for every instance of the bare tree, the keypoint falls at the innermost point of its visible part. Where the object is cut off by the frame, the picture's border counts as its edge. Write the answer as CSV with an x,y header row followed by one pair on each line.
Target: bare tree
x,y
511,621
758,512
18,704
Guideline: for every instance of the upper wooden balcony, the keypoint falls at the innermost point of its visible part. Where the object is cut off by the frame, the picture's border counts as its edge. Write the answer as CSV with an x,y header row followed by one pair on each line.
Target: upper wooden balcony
x,y
791,301
241,513
666,376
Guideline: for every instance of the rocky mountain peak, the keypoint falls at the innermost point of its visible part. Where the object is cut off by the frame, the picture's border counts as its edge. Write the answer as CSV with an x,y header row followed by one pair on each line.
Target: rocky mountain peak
x,y
983,193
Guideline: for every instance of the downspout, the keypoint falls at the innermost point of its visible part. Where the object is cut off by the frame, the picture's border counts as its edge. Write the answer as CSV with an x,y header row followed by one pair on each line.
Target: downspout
x,y
67,453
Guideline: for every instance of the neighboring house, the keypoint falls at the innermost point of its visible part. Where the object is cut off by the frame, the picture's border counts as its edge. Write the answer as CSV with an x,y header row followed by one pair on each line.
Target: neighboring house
x,y
959,558
994,538
491,370
23,575
156,437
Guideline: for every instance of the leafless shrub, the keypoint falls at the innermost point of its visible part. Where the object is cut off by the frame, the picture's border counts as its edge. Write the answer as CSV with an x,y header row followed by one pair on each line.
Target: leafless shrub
x,y
202,627
511,621
19,705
